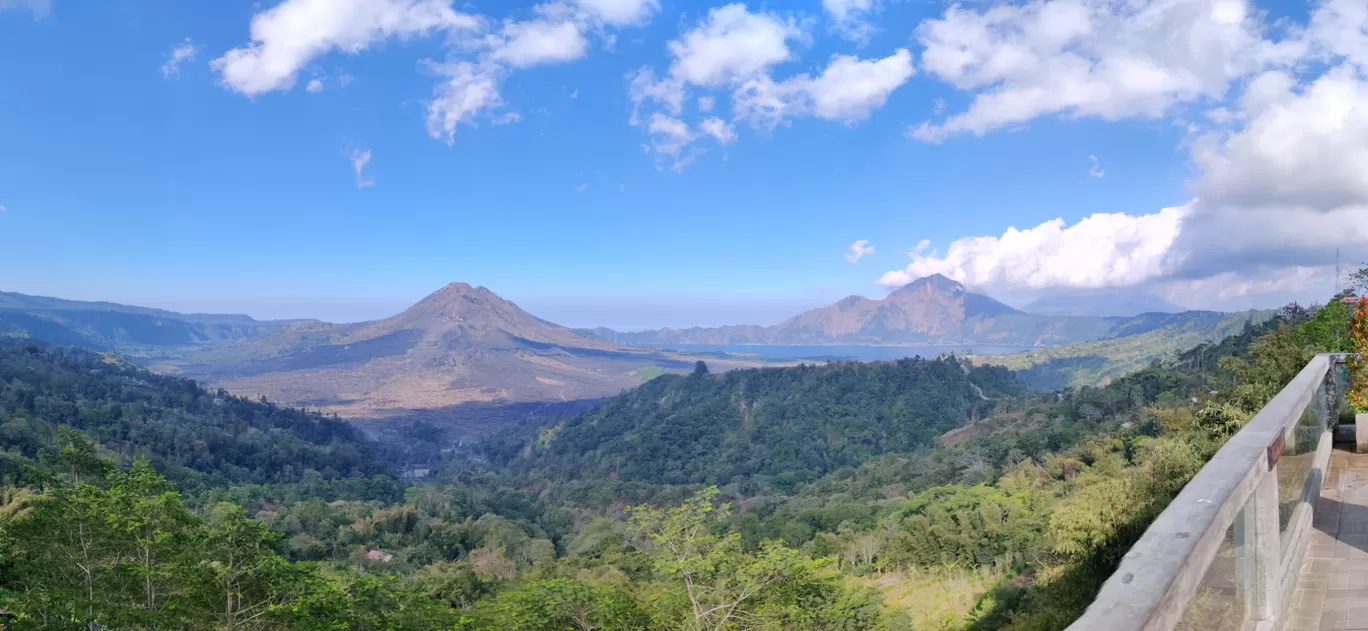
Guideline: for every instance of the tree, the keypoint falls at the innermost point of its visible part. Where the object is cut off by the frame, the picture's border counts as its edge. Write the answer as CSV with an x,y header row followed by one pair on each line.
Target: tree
x,y
717,586
700,368
1358,363
240,563
557,605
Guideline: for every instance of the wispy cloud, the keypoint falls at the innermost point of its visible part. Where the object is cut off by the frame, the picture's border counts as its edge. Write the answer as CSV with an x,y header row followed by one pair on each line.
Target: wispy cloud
x,y
582,187
40,8
180,53
1095,169
858,250
359,160
315,85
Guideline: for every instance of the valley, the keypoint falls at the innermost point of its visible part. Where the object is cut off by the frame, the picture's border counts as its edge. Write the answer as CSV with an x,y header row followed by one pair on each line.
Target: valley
x,y
464,463
472,363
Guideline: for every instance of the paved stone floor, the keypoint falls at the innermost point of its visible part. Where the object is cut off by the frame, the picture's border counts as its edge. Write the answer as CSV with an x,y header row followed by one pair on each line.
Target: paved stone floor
x,y
1332,591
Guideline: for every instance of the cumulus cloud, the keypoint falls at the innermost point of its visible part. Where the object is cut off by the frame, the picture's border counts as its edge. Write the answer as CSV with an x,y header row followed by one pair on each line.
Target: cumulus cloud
x,y
1101,250
288,36
731,44
481,52
1277,133
849,90
185,51
359,160
859,250
735,49
851,18
1091,58
535,42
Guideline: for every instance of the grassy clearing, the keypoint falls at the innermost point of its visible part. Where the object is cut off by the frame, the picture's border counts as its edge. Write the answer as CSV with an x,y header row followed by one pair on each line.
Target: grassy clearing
x,y
936,600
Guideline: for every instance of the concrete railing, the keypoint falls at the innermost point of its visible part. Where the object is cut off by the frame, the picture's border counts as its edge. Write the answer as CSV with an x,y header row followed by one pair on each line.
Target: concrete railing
x,y
1226,553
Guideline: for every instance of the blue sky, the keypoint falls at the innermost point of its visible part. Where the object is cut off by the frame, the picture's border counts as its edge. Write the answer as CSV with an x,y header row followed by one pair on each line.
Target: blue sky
x,y
124,180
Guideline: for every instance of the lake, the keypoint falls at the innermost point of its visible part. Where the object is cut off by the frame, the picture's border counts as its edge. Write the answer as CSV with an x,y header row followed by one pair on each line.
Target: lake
x,y
869,353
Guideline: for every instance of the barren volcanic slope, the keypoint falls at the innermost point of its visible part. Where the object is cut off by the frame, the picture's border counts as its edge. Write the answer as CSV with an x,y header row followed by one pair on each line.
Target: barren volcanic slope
x,y
460,350
930,310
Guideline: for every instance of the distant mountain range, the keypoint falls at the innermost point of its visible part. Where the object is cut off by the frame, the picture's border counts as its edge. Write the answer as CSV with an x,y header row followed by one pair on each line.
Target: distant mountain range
x,y
1128,348
467,358
930,310
1101,303
106,325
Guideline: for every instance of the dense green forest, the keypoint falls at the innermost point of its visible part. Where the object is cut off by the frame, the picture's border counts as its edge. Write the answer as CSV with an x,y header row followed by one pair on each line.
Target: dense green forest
x,y
786,425
807,498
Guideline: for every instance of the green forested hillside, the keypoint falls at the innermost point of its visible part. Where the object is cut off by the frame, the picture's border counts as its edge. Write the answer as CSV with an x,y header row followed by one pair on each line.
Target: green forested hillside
x,y
789,425
195,437
880,497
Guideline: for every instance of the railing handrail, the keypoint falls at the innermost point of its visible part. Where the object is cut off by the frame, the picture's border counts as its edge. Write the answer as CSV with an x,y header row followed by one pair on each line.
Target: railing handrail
x,y
1160,574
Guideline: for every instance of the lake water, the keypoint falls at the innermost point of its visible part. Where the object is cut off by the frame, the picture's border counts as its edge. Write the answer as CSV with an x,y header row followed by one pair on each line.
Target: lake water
x,y
870,353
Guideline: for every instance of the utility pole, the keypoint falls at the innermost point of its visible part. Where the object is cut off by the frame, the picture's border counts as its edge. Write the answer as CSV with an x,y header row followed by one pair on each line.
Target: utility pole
x,y
1337,272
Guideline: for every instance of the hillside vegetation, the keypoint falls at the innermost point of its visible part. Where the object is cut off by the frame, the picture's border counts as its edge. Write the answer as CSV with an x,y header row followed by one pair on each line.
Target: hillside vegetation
x,y
1129,347
812,498
789,425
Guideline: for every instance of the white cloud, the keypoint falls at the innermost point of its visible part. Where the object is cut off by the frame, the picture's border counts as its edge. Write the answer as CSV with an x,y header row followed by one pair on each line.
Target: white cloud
x,y
582,187
1299,144
851,18
731,44
535,42
719,129
848,90
467,90
344,80
39,8
315,86
735,49
620,12
293,33
185,51
1282,168
1095,167
1091,58
859,250
669,135
359,160
1101,250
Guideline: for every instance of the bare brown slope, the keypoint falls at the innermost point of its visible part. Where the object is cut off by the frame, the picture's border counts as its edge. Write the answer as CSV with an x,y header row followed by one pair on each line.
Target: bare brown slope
x,y
461,345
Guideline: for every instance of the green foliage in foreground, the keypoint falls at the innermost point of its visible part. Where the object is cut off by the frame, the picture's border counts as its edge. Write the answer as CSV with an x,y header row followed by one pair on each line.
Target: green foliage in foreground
x,y
842,475
123,551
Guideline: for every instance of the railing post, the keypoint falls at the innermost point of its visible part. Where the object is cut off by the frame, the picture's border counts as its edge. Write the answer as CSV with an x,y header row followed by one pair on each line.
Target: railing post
x,y
1257,538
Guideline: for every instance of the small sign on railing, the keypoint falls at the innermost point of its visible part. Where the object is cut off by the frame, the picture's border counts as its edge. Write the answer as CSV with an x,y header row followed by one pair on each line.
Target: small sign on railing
x,y
1275,449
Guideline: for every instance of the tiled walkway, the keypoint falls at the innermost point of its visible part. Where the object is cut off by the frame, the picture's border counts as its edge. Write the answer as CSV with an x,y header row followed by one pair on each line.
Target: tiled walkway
x,y
1332,592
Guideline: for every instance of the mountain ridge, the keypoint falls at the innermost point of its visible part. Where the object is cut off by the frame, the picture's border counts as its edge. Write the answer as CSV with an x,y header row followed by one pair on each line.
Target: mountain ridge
x,y
929,310
456,352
